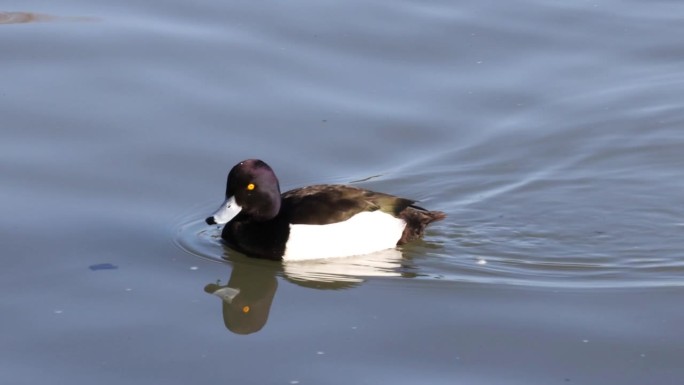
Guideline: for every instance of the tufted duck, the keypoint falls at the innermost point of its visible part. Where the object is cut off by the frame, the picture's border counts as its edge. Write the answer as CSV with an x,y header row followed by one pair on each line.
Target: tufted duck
x,y
320,221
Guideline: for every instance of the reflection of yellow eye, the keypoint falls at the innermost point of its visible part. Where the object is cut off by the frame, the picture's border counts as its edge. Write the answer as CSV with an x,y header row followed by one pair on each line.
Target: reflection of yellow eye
x,y
250,186
245,309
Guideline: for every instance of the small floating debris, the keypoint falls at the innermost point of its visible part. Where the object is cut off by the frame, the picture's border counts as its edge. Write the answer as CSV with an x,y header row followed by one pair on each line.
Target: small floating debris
x,y
103,266
481,261
58,311
194,267
32,17
21,17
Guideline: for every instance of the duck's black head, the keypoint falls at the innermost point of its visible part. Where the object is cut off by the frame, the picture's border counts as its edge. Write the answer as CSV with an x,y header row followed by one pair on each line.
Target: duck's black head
x,y
252,189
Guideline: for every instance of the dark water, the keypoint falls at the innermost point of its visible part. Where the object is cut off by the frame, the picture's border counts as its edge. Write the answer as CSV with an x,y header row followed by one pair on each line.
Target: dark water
x,y
552,134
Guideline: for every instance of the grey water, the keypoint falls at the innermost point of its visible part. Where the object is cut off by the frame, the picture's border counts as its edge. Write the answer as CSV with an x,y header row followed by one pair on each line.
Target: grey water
x,y
550,132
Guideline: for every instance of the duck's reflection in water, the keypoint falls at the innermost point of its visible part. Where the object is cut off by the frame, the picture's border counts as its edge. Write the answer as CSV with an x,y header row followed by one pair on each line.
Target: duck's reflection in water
x,y
247,297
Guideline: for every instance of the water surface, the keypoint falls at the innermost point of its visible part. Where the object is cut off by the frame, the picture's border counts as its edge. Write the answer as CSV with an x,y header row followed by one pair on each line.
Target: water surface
x,y
550,133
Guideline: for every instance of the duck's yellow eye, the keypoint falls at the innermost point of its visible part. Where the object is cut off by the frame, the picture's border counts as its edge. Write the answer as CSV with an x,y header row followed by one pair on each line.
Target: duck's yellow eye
x,y
250,186
245,309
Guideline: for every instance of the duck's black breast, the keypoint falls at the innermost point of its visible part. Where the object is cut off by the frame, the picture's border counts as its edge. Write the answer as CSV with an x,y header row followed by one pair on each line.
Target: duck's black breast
x,y
326,204
264,239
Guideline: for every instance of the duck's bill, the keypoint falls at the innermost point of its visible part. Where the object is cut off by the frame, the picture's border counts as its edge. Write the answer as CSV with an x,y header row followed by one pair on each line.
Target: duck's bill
x,y
228,210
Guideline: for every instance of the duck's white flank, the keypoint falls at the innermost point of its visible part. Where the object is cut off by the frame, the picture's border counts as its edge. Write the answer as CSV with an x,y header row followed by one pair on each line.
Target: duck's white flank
x,y
364,233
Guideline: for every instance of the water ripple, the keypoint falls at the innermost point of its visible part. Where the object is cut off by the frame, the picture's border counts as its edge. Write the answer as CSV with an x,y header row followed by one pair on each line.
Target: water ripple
x,y
482,253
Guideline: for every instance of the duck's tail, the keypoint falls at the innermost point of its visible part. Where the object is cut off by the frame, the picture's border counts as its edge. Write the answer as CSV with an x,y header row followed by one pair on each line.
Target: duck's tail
x,y
417,219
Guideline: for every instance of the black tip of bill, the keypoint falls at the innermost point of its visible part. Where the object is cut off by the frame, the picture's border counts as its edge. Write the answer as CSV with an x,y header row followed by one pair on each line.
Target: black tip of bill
x,y
210,221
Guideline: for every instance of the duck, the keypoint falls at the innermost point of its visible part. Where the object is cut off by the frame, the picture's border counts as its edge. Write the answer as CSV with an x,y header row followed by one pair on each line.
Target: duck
x,y
313,222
